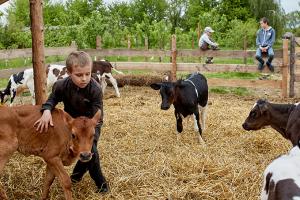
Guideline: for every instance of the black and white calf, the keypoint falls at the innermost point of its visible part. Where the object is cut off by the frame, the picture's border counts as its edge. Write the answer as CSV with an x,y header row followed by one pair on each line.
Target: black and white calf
x,y
103,69
282,178
188,97
17,83
24,80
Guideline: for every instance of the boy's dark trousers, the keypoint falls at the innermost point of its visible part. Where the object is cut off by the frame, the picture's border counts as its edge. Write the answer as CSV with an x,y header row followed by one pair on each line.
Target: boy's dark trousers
x,y
93,166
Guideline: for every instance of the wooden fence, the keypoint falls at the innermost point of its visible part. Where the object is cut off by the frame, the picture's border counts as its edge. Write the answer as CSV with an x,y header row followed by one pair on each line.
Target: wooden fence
x,y
281,62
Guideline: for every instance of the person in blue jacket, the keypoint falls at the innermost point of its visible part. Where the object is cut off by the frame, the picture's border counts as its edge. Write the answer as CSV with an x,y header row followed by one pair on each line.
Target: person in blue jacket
x,y
264,40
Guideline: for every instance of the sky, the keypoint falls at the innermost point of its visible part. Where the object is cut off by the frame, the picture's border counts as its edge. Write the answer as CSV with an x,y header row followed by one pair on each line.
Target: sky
x,y
288,5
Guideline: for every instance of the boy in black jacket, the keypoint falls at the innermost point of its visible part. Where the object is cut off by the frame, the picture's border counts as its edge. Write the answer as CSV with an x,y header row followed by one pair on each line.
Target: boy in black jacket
x,y
82,96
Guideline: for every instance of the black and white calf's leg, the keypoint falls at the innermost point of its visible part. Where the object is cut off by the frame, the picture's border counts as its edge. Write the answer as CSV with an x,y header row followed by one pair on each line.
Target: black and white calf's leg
x,y
203,111
113,82
13,94
198,126
178,122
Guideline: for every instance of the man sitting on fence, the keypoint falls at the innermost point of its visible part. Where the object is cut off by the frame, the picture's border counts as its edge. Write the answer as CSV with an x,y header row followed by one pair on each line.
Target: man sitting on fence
x,y
206,40
264,41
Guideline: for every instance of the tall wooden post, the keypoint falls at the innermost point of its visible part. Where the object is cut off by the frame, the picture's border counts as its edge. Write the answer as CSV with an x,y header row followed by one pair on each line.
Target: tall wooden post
x,y
174,55
292,66
284,69
38,55
98,42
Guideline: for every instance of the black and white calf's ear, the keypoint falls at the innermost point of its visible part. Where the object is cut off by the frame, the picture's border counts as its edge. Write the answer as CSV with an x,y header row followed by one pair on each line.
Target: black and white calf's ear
x,y
299,143
156,86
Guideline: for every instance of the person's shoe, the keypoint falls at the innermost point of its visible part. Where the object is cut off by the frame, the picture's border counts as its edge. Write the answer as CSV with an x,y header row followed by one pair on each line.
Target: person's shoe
x,y
76,178
260,66
209,62
104,188
270,66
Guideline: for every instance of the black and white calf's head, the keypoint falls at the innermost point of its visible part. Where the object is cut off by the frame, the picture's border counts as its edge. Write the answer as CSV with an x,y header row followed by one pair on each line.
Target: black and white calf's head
x,y
258,117
167,92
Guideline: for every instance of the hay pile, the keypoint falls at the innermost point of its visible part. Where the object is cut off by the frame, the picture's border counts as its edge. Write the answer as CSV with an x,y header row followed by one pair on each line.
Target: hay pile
x,y
143,158
137,80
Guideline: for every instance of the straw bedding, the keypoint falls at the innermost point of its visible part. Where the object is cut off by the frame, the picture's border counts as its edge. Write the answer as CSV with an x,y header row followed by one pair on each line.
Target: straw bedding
x,y
143,157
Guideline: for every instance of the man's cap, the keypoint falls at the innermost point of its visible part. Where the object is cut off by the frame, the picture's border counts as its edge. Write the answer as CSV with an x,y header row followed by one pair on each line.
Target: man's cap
x,y
208,29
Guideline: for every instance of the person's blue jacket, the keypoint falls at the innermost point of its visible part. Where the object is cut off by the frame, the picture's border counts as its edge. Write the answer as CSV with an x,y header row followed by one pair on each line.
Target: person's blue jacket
x,y
265,38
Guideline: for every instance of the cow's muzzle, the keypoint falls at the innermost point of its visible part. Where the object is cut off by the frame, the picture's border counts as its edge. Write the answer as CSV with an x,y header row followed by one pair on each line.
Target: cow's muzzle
x,y
85,156
246,127
165,107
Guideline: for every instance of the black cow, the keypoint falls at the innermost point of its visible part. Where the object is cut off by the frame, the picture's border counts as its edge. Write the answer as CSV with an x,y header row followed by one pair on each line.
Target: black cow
x,y
281,117
188,97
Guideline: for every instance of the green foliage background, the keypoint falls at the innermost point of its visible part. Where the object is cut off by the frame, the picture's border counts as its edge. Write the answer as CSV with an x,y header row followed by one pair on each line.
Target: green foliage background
x,y
83,20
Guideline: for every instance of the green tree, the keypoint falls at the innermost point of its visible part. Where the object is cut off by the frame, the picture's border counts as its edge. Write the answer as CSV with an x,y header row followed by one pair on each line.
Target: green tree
x,y
175,13
235,9
272,10
153,10
196,8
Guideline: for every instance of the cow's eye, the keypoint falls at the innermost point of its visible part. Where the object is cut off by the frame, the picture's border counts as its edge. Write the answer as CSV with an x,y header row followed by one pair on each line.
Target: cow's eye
x,y
73,136
253,114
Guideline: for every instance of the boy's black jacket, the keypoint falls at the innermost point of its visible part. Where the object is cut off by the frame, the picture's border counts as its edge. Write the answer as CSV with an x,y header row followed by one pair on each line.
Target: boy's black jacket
x,y
77,101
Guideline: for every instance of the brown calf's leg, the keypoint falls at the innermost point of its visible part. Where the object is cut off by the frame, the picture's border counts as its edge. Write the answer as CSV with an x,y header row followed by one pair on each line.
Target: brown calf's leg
x,y
7,148
49,178
59,171
3,161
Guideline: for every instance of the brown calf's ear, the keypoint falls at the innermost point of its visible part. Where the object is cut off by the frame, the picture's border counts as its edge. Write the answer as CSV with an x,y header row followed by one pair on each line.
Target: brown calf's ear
x,y
67,118
96,117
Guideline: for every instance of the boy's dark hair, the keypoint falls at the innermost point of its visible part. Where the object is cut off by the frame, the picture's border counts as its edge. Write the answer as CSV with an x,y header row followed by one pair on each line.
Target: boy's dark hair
x,y
264,20
78,59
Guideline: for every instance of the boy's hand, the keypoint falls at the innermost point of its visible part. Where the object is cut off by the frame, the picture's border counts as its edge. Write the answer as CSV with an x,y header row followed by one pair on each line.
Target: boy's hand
x,y
43,123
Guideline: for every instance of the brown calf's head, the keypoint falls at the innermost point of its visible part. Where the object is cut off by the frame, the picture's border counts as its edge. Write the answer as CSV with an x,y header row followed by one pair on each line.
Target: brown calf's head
x,y
83,131
167,92
258,117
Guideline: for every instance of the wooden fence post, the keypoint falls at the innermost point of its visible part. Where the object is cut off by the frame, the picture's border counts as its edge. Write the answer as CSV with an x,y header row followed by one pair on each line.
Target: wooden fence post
x,y
174,55
98,42
193,42
146,47
284,70
198,31
292,66
128,45
38,54
245,50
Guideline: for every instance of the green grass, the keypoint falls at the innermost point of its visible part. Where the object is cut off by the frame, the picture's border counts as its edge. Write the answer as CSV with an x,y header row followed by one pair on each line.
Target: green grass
x,y
3,82
225,75
240,91
179,60
24,62
233,75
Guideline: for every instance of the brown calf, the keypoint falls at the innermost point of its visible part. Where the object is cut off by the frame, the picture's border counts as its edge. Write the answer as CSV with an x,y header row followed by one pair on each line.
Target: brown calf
x,y
68,140
277,116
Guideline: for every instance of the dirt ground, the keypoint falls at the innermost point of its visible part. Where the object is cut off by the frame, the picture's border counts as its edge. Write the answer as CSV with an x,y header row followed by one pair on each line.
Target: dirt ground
x,y
143,157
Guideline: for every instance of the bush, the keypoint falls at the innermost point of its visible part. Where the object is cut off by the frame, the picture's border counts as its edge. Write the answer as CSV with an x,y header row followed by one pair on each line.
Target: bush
x,y
238,32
